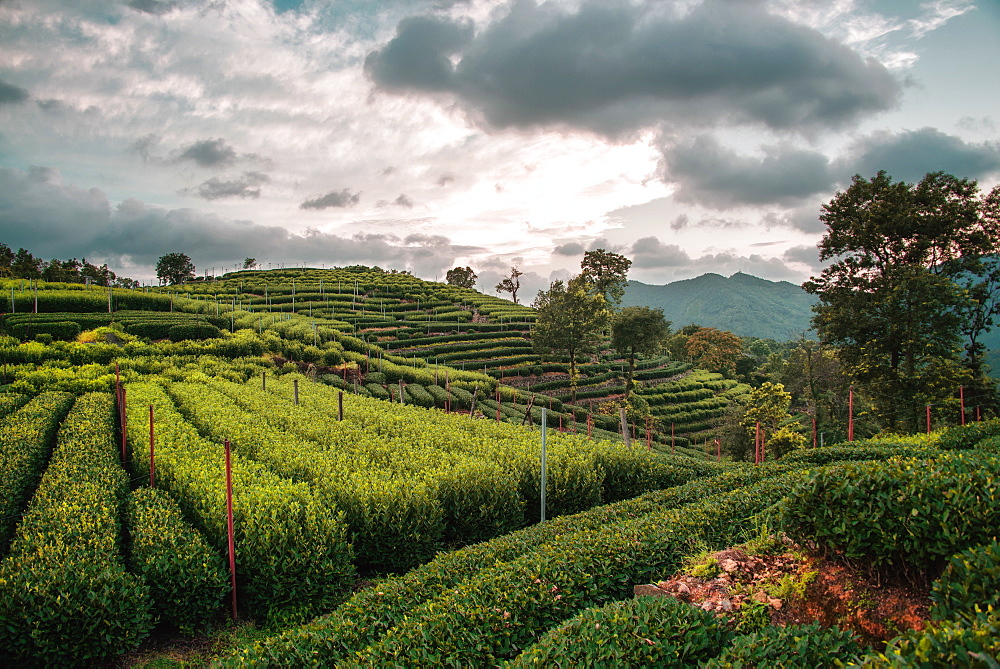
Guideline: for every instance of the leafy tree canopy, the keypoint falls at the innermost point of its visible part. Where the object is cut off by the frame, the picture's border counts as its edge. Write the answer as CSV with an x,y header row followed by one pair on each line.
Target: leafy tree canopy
x,y
715,350
606,274
174,268
638,330
462,277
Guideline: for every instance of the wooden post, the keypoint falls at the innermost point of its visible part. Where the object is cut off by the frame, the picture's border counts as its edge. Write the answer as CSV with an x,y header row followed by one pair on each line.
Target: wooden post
x,y
230,531
263,380
961,401
475,396
401,391
624,426
850,414
295,389
152,460
340,405
928,418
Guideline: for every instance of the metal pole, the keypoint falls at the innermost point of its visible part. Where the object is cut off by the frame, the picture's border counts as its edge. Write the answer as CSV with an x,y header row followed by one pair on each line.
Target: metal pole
x,y
544,472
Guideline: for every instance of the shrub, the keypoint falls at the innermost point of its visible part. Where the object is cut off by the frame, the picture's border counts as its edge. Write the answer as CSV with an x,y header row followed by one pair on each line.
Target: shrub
x,y
480,501
640,632
187,578
791,647
419,396
971,578
963,642
967,436
64,330
194,332
902,514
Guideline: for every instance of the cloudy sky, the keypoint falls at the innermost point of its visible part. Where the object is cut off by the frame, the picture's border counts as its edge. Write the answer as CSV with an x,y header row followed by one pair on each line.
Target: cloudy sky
x,y
692,136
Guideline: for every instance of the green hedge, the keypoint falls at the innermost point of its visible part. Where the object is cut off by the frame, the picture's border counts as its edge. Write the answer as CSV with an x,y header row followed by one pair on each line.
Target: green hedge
x,y
791,647
366,617
26,439
967,436
972,643
194,332
847,453
906,514
971,578
11,402
64,330
640,632
187,578
65,596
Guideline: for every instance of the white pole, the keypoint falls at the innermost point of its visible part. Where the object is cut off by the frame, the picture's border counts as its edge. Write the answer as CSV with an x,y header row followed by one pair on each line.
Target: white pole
x,y
543,462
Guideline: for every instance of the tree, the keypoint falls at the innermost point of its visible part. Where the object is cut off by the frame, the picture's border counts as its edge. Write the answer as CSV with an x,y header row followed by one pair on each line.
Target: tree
x,y
891,301
462,277
715,350
639,330
570,320
768,406
511,284
174,268
606,274
26,266
249,263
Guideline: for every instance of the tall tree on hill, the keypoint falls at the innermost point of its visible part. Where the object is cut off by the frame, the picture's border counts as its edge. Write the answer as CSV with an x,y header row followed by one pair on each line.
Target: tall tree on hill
x,y
715,350
606,274
893,301
638,330
461,277
570,321
511,284
174,268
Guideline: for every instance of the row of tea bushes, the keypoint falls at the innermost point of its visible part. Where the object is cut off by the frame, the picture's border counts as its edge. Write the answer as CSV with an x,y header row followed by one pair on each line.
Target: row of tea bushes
x,y
26,439
368,615
186,576
66,598
292,556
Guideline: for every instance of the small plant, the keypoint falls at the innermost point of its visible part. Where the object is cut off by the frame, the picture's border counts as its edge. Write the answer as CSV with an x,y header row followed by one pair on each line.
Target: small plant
x,y
753,616
702,564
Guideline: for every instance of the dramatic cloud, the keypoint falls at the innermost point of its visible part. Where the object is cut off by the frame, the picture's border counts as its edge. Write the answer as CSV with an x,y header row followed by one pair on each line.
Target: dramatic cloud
x,y
246,186
11,94
156,7
569,249
335,198
650,252
56,220
614,68
713,176
908,156
209,153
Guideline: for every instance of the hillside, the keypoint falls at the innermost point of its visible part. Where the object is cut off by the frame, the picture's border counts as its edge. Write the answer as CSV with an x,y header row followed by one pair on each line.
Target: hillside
x,y
746,305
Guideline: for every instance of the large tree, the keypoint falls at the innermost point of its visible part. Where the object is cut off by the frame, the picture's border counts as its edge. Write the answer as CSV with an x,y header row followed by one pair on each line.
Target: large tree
x,y
638,330
174,268
570,320
606,274
891,302
511,284
715,350
462,277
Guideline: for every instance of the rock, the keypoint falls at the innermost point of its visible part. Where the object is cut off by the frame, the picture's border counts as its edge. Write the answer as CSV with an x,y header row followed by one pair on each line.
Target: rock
x,y
760,596
729,566
682,589
775,603
649,590
726,605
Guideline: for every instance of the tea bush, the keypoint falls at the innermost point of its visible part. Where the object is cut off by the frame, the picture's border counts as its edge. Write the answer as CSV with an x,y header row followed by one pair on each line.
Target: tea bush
x,y
791,647
971,578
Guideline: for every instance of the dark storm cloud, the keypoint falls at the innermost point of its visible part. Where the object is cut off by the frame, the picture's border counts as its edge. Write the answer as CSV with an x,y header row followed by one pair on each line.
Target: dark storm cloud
x,y
153,6
418,57
615,67
908,156
713,176
209,153
11,94
650,252
335,198
244,186
59,221
569,249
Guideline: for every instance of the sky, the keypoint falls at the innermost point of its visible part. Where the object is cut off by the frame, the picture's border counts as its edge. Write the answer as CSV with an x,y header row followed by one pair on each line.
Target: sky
x,y
691,136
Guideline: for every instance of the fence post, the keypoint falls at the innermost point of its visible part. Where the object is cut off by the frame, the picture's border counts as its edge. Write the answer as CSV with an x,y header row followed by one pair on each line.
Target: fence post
x,y
340,405
263,380
928,418
624,426
152,461
295,388
544,471
229,525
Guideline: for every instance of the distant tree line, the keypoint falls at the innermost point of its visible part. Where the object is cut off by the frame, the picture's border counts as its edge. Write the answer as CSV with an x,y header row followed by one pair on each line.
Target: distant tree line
x,y
24,265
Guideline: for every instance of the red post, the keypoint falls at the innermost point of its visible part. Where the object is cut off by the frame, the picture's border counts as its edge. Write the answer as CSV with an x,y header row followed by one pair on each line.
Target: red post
x,y
229,525
850,414
979,416
152,456
961,401
124,404
928,419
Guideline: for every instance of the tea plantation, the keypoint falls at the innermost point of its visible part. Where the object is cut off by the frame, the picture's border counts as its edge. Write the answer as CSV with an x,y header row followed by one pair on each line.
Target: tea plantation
x,y
386,489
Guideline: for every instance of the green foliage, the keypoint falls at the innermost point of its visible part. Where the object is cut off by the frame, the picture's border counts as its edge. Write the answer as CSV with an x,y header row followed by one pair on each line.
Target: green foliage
x,y
195,332
971,579
968,436
65,596
967,643
605,274
640,632
187,578
902,514
860,451
65,330
26,439
791,647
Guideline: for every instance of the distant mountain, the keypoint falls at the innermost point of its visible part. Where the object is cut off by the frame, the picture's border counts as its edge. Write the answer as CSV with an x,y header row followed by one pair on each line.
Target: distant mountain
x,y
743,304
